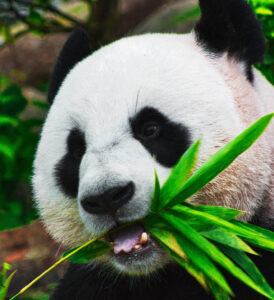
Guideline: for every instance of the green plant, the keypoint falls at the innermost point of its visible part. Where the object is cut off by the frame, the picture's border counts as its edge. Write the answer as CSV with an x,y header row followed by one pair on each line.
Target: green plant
x,y
42,17
198,237
4,282
18,140
264,10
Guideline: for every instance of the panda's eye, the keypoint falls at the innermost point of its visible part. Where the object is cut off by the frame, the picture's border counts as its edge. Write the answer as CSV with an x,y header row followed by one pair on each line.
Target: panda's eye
x,y
78,152
76,144
150,129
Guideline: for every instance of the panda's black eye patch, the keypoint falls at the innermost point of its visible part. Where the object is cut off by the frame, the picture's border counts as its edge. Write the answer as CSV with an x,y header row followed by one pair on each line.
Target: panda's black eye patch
x,y
67,169
76,144
150,130
163,138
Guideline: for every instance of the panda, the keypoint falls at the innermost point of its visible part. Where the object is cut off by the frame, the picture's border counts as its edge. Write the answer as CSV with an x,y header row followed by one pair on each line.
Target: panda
x,y
133,107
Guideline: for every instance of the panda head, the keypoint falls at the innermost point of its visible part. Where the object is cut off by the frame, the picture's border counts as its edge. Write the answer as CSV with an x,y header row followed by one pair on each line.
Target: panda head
x,y
135,106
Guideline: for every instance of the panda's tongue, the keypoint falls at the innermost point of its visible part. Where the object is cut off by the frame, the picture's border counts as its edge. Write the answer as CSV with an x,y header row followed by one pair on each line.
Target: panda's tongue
x,y
127,238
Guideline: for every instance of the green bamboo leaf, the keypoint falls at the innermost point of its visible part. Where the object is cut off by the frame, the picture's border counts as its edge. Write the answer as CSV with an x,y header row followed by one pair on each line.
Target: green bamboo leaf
x,y
5,268
217,291
202,224
180,173
155,203
189,267
5,286
172,243
255,229
212,251
184,248
153,220
222,212
247,264
220,160
91,251
225,237
250,235
168,239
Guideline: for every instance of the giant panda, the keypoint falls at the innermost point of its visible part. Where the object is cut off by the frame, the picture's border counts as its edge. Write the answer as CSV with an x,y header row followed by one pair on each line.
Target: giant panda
x,y
133,107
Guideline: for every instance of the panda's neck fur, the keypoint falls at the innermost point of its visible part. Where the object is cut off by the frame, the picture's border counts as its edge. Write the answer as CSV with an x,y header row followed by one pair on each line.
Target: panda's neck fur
x,y
252,101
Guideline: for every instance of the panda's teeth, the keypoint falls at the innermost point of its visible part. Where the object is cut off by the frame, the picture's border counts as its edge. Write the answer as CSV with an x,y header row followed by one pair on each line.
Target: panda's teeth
x,y
144,238
137,247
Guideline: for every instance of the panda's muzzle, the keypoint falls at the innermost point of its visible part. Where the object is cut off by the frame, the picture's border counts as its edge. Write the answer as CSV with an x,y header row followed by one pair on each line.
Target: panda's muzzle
x,y
109,201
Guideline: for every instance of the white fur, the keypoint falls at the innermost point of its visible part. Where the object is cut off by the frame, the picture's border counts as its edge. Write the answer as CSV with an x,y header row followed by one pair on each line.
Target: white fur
x,y
210,96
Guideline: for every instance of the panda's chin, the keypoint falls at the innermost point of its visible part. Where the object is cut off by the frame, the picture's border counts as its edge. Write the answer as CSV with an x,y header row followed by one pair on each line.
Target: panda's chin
x,y
139,263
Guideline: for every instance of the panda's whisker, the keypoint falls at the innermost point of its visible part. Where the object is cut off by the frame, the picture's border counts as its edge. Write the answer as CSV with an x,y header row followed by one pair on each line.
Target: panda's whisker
x,y
137,101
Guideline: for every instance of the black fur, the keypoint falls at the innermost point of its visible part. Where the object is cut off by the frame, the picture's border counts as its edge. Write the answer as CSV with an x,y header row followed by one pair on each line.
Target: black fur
x,y
231,26
76,48
170,143
83,282
67,170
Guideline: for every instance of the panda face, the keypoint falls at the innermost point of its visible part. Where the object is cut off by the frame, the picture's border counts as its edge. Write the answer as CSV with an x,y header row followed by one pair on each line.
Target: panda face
x,y
123,112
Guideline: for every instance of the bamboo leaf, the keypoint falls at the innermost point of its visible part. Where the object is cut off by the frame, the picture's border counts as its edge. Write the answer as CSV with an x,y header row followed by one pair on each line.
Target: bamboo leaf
x,y
155,203
211,251
255,229
5,268
189,267
91,251
222,212
250,235
199,224
167,238
179,173
220,160
225,237
5,286
184,248
247,264
217,291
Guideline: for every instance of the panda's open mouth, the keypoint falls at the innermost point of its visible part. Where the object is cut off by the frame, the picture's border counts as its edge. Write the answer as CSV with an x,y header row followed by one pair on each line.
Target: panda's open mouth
x,y
131,240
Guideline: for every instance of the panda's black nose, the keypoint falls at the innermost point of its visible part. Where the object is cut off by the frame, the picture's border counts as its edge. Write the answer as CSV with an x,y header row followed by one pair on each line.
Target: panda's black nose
x,y
109,201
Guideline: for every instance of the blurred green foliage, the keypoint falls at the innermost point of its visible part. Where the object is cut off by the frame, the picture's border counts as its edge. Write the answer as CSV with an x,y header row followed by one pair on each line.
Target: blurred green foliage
x,y
264,10
42,17
18,140
5,280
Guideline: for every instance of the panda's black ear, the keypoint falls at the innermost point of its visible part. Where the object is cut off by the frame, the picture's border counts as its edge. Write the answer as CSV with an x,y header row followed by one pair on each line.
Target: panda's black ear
x,y
231,26
76,48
